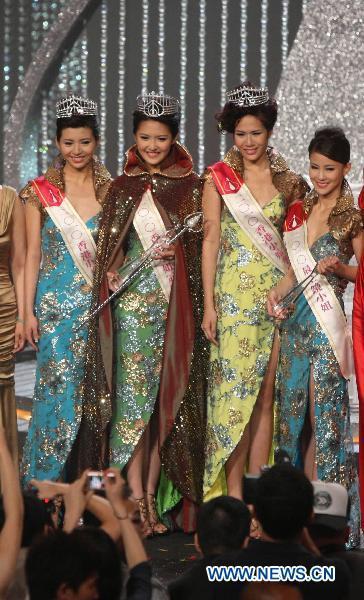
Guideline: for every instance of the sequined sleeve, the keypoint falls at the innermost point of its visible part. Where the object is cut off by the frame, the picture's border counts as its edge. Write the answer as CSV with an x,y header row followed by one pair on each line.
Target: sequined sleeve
x,y
291,185
300,188
28,196
357,224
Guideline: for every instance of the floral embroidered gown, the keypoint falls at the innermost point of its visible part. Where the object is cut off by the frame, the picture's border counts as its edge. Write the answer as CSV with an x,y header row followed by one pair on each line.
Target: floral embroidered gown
x,y
245,333
62,301
305,347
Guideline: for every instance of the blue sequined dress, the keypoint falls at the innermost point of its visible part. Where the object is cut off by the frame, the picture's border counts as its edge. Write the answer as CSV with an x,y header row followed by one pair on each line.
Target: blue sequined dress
x,y
305,346
62,300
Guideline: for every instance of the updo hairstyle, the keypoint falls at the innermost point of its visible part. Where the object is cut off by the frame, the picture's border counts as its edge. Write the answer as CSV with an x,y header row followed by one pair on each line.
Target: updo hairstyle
x,y
331,142
231,114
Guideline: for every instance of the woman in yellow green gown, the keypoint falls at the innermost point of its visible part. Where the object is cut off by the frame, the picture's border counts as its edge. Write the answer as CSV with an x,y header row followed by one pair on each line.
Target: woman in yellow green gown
x,y
244,201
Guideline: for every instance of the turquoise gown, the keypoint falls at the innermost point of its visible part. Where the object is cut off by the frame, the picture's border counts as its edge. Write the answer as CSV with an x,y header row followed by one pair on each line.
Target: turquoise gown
x,y
62,300
305,346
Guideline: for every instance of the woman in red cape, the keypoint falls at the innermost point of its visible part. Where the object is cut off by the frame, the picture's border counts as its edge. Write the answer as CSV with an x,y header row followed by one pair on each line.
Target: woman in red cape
x,y
358,339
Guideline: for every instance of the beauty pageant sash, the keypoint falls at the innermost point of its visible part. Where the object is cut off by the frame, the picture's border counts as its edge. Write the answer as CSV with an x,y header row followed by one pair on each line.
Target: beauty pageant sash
x,y
249,215
149,226
319,293
72,228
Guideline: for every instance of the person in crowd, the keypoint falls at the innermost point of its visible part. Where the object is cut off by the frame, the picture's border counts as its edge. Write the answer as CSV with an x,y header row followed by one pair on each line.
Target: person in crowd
x,y
223,526
159,355
245,200
270,591
12,258
321,236
62,566
63,209
283,507
115,514
11,530
37,520
330,530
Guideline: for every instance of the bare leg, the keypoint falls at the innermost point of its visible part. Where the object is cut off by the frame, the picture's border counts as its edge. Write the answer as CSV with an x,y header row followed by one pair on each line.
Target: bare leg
x,y
235,466
135,470
261,423
310,456
154,468
135,481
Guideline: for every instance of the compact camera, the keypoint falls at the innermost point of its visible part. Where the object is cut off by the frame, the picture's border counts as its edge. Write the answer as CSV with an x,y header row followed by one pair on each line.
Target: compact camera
x,y
96,479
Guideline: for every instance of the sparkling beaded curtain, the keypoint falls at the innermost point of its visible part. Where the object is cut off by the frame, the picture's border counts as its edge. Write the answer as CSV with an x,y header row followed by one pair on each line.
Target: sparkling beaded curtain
x,y
193,49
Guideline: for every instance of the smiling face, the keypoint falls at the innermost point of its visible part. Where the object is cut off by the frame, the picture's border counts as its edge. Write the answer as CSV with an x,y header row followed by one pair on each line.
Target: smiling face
x,y
154,140
251,138
327,175
77,146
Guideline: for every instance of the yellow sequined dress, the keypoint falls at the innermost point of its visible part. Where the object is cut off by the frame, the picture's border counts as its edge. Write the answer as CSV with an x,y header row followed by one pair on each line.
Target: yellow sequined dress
x,y
8,312
245,332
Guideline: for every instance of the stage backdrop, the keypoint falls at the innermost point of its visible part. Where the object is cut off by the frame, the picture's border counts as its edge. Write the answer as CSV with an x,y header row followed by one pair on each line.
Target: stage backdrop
x,y
112,50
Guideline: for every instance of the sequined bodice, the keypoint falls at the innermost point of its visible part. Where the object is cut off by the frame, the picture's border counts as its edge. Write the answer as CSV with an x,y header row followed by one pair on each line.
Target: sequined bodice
x,y
327,245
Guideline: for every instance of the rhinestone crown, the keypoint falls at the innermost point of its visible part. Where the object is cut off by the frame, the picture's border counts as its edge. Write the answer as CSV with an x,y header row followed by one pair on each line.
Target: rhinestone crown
x,y
75,105
156,105
246,96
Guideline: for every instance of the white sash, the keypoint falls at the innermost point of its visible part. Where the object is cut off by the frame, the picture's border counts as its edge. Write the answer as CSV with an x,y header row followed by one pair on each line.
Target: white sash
x,y
322,299
248,213
72,228
149,226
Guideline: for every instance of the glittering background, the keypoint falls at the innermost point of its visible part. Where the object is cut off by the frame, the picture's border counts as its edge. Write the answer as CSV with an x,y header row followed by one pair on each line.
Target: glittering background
x,y
112,49
323,82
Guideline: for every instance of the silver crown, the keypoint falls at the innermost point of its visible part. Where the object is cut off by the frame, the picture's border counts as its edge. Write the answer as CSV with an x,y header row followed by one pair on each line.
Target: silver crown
x,y
246,96
75,105
156,105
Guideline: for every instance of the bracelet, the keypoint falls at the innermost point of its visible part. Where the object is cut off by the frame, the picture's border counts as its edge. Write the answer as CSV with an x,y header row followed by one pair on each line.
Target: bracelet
x,y
18,320
120,517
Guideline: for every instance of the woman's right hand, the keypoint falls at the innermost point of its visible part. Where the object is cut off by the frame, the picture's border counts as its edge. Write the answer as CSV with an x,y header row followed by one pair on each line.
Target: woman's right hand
x,y
114,280
32,331
273,300
208,325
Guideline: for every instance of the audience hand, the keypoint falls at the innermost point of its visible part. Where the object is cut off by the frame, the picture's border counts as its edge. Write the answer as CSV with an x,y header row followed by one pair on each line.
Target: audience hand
x,y
48,489
75,499
114,486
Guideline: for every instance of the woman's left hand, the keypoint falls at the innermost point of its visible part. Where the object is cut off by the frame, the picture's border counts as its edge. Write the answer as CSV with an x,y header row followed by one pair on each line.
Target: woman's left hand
x,y
329,265
19,337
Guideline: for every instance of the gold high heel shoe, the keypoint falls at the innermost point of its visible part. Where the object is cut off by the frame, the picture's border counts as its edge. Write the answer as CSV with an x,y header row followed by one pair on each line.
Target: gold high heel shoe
x,y
158,528
147,530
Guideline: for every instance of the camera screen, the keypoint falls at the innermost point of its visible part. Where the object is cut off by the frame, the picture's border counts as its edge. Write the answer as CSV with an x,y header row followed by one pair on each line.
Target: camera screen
x,y
95,482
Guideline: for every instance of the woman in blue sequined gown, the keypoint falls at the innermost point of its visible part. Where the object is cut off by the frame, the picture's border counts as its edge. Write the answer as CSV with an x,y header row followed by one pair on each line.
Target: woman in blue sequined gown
x,y
60,296
311,392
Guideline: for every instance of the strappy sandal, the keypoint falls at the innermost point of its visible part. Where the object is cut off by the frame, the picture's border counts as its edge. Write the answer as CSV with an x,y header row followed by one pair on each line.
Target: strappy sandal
x,y
158,528
147,530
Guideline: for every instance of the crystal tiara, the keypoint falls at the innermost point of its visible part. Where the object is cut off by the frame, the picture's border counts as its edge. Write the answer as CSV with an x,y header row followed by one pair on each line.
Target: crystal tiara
x,y
75,105
157,105
246,96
